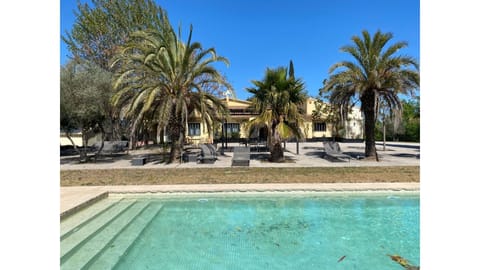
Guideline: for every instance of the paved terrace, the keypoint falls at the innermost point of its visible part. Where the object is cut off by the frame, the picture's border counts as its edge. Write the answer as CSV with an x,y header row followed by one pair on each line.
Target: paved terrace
x,y
311,154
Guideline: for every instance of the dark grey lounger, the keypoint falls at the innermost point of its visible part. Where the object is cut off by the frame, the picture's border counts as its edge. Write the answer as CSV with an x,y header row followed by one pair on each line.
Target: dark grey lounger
x,y
208,154
332,149
241,156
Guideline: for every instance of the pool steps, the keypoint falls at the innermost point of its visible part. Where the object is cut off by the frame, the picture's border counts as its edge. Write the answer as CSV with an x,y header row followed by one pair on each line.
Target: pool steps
x,y
105,237
77,221
88,231
100,238
109,258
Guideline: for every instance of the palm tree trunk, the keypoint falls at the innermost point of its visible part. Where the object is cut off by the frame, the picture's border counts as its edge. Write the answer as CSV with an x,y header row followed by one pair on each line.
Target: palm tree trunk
x,y
174,150
276,154
276,150
384,134
368,105
177,134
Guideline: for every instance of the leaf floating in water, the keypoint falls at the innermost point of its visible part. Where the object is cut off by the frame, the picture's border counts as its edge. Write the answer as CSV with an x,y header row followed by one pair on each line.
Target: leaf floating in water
x,y
399,260
403,262
341,258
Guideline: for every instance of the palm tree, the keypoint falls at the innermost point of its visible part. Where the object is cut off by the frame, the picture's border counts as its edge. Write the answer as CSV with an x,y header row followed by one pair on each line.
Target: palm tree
x,y
377,75
278,98
161,77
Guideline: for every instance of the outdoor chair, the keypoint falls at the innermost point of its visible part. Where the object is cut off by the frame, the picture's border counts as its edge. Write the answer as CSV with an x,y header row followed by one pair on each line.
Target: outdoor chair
x,y
208,154
332,149
213,149
241,156
112,147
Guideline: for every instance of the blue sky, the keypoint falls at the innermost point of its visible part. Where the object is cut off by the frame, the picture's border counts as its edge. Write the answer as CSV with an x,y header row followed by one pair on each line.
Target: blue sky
x,y
255,35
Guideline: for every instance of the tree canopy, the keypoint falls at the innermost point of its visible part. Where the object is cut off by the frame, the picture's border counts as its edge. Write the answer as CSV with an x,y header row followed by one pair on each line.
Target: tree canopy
x,y
160,76
85,94
99,30
377,74
278,98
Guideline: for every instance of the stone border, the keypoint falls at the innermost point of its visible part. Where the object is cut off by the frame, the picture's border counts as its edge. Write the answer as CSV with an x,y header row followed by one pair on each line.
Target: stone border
x,y
83,205
207,188
83,202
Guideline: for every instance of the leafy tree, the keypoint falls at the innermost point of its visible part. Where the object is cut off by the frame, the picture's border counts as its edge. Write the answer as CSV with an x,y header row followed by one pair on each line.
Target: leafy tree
x,y
388,118
101,28
411,121
375,75
161,77
401,128
84,94
278,99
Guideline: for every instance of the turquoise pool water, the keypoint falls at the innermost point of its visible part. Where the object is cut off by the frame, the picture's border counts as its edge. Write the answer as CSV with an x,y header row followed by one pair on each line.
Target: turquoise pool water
x,y
314,231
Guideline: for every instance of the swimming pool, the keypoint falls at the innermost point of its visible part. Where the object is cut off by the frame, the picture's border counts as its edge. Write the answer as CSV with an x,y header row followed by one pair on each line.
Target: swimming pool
x,y
244,231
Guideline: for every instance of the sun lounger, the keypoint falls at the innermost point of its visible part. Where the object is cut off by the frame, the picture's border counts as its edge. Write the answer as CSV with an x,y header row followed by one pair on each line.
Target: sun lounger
x,y
190,156
241,156
112,147
213,150
208,154
332,149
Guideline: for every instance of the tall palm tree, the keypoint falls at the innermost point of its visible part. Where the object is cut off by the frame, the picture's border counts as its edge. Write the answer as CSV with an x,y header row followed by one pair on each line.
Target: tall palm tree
x,y
160,76
376,74
278,98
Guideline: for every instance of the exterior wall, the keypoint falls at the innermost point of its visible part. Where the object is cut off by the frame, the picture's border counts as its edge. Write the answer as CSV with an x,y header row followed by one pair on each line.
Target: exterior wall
x,y
309,106
77,139
354,125
238,114
309,123
320,134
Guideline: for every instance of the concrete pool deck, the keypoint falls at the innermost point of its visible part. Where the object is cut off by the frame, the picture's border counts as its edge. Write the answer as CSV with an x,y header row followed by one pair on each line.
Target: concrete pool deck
x,y
310,155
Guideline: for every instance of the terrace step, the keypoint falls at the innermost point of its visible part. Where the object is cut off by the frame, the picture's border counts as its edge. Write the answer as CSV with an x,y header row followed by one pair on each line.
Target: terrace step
x,y
83,217
83,234
86,251
112,253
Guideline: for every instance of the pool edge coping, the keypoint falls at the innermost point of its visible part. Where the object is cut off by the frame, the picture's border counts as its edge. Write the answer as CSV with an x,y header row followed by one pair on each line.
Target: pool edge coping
x,y
70,211
224,188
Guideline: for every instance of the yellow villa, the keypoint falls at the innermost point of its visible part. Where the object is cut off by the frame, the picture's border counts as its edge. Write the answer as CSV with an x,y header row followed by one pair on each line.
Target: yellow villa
x,y
234,126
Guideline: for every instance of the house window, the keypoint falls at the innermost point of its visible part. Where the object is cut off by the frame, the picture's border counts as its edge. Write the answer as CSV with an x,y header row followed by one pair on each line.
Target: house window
x,y
319,127
232,128
193,129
